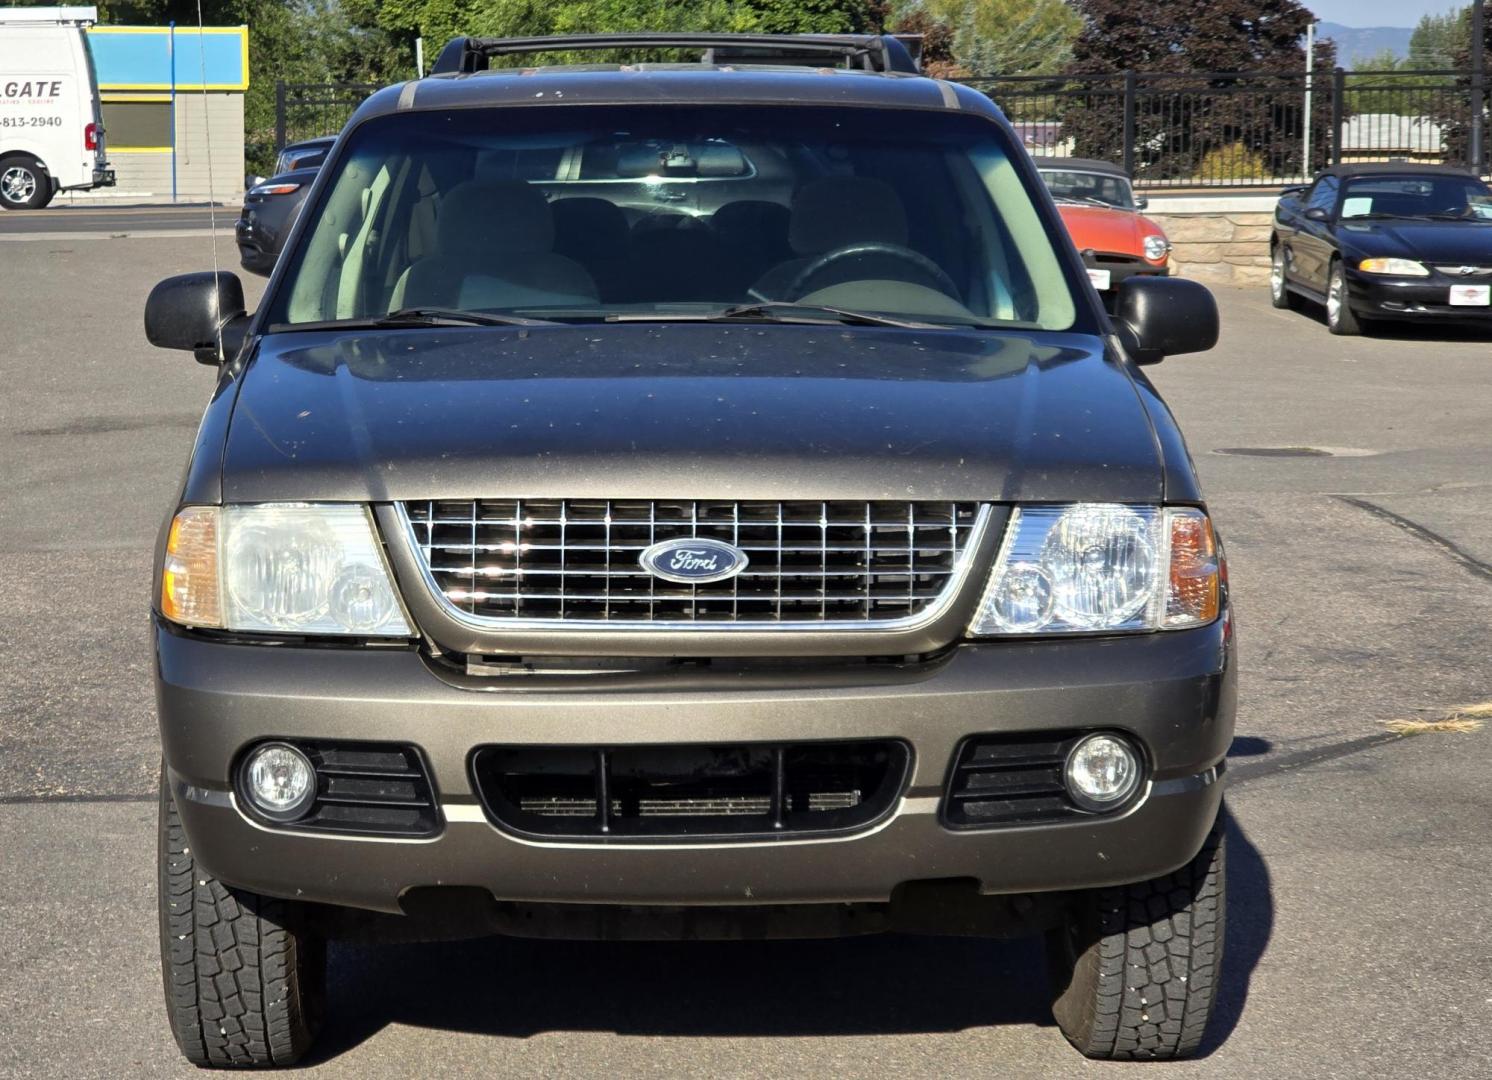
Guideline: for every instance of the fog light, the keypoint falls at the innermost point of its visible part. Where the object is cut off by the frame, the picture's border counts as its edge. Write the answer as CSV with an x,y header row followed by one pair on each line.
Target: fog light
x,y
280,781
1102,771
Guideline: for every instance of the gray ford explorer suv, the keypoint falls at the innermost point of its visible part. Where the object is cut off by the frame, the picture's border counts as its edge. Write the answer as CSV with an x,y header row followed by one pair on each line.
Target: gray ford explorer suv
x,y
700,497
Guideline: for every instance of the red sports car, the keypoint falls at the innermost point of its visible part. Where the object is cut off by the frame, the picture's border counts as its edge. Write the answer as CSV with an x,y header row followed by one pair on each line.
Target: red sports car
x,y
1102,215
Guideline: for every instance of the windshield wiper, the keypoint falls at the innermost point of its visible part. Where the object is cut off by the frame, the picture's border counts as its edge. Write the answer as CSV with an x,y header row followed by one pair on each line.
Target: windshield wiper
x,y
784,311
410,317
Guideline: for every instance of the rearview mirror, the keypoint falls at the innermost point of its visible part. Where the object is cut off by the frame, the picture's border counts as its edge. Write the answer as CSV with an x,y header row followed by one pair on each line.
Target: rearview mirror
x,y
200,313
1157,317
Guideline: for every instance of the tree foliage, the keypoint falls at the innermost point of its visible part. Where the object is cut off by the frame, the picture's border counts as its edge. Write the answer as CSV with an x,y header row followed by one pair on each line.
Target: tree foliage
x,y
1198,106
1437,38
968,38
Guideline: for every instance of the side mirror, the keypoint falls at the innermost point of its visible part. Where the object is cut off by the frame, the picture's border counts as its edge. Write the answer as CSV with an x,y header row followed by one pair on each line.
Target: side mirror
x,y
252,181
1315,213
201,313
1159,317
1141,202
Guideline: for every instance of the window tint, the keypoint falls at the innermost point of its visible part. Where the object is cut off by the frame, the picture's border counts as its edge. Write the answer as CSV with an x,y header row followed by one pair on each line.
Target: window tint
x,y
1089,187
583,212
1417,196
1323,194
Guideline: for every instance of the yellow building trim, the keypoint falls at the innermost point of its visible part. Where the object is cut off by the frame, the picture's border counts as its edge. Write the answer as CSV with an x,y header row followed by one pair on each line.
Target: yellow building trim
x,y
191,88
166,30
108,98
138,149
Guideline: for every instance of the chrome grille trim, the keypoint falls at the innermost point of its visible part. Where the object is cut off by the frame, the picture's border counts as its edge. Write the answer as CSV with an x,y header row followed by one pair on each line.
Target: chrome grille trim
x,y
960,533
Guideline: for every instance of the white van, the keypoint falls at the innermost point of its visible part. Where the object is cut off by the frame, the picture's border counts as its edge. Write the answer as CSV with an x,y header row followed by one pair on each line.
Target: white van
x,y
51,126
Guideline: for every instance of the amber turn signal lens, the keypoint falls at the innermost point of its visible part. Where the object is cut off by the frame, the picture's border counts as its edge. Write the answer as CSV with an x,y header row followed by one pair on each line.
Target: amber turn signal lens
x,y
189,574
1194,594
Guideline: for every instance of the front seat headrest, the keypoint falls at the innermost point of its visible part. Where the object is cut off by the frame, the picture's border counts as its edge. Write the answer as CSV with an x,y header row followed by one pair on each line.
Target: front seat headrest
x,y
507,217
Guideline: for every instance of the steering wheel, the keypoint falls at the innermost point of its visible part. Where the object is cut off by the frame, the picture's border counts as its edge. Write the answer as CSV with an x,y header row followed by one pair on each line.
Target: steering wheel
x,y
925,267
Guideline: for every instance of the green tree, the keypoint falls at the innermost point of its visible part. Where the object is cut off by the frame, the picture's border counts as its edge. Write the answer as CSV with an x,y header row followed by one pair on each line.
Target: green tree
x,y
1437,38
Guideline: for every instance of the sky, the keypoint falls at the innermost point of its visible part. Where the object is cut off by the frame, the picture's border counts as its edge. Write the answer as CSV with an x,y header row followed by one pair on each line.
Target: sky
x,y
1378,12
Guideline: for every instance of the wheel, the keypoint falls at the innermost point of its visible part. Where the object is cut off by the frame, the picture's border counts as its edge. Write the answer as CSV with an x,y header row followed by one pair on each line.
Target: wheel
x,y
245,985
1279,292
1135,968
1340,318
25,183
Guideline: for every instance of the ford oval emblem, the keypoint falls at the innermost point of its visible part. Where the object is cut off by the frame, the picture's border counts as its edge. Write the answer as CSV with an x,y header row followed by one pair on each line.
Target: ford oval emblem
x,y
693,560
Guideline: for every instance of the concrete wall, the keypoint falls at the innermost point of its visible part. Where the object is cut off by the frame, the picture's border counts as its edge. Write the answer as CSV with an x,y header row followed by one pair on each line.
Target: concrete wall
x,y
198,117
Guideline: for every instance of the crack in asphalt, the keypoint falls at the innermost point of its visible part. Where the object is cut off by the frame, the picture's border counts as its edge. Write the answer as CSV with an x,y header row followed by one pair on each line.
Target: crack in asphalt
x,y
1467,560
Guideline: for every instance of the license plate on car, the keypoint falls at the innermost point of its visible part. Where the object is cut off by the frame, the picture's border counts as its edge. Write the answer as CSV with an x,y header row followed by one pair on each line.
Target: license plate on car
x,y
1465,295
1102,278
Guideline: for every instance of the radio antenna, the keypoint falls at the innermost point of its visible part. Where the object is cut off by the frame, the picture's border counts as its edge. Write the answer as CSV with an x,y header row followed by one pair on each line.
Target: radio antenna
x,y
212,211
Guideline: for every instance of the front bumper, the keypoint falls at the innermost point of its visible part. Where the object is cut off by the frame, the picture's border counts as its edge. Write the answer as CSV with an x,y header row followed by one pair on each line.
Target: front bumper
x,y
1377,296
1173,691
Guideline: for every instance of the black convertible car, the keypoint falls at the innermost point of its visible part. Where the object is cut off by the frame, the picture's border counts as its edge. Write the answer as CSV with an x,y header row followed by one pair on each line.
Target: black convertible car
x,y
1385,241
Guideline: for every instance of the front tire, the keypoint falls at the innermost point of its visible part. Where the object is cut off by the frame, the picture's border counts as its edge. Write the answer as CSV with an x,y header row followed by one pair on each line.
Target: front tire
x,y
1135,968
245,982
1340,318
25,183
1279,289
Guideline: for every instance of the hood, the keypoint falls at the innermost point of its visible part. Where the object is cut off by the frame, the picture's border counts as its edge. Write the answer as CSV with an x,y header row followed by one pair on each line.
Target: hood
x,y
1440,242
1121,232
687,410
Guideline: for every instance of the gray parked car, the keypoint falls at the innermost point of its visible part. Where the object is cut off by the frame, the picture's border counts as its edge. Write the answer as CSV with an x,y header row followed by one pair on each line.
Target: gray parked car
x,y
701,499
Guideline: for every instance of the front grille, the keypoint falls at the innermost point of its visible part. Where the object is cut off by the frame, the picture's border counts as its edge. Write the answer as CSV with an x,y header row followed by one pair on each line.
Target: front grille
x,y
1477,272
1014,780
661,792
576,560
368,788
1114,258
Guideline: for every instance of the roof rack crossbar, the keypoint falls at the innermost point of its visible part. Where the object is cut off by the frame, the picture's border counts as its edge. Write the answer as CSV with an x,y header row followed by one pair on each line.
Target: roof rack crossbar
x,y
871,52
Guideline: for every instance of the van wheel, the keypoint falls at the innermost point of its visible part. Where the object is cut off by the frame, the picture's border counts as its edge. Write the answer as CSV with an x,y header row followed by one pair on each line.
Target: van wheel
x,y
245,982
1135,968
25,184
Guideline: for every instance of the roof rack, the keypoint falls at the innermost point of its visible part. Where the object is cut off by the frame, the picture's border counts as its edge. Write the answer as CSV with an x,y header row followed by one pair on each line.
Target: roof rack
x,y
868,52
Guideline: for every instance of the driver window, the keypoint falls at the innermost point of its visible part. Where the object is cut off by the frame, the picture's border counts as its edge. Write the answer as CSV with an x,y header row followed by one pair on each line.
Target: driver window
x,y
1323,195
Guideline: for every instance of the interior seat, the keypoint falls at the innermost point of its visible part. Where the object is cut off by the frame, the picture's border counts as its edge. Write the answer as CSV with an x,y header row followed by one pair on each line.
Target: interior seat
x,y
834,212
495,249
752,235
594,233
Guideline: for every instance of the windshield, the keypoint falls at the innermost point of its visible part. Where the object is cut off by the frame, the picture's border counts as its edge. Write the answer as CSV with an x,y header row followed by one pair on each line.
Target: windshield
x,y
1417,197
1089,187
581,213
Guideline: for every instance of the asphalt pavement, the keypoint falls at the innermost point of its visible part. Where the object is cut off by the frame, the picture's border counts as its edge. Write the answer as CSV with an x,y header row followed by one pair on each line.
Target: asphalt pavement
x,y
1351,481
106,222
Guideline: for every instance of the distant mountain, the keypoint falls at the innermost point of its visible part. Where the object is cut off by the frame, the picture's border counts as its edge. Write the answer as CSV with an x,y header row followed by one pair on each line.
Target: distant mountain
x,y
1355,41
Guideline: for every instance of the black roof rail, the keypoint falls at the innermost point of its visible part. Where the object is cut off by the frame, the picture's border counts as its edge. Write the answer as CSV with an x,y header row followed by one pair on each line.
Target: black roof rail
x,y
870,52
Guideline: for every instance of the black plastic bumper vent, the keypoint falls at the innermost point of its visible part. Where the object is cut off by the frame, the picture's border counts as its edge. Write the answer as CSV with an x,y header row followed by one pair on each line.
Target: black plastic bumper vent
x,y
368,789
1014,780
645,793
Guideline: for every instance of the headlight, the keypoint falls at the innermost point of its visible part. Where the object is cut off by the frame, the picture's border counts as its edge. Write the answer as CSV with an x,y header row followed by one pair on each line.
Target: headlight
x,y
280,568
1156,248
273,189
1101,567
1395,267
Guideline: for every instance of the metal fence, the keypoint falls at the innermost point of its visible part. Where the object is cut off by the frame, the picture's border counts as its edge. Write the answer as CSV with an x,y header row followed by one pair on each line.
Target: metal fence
x,y
306,110
1248,129
1204,129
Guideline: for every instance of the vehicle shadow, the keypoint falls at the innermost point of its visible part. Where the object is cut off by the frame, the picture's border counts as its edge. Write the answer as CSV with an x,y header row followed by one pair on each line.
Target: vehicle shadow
x,y
1405,331
892,984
